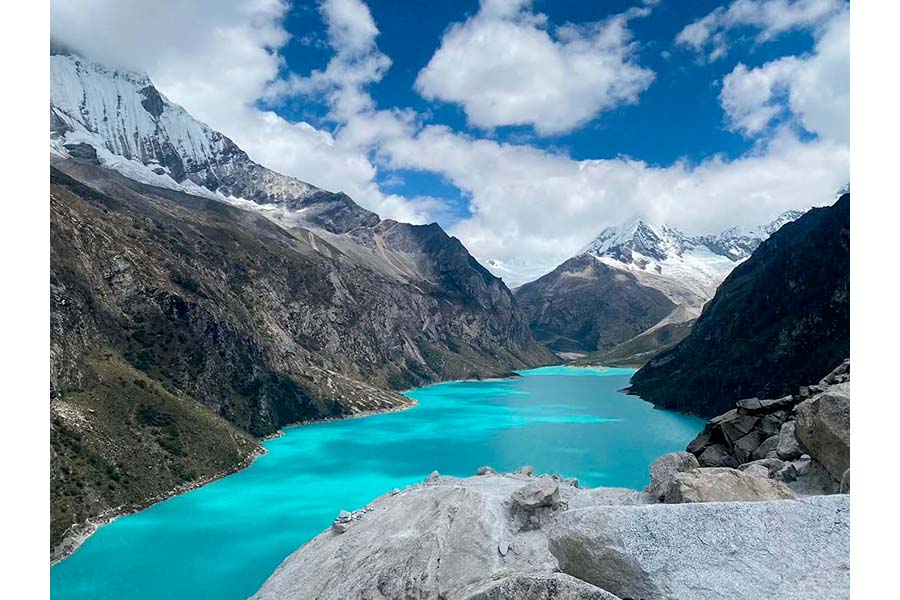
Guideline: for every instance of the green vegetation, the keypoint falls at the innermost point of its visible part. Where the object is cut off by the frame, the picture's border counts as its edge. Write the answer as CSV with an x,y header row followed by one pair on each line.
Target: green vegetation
x,y
124,439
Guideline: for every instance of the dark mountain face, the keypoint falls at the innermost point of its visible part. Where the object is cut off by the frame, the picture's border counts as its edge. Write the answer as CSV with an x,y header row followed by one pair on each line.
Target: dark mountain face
x,y
780,320
183,328
584,305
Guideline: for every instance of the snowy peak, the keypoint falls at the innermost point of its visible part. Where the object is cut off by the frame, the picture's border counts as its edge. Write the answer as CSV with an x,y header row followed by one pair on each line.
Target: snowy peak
x,y
120,120
660,242
637,237
738,243
687,269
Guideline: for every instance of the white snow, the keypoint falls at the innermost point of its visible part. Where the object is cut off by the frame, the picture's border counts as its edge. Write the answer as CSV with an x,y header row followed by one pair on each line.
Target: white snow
x,y
103,108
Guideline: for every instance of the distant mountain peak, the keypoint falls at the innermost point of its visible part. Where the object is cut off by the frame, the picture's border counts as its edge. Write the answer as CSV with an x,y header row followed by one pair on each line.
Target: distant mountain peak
x,y
117,118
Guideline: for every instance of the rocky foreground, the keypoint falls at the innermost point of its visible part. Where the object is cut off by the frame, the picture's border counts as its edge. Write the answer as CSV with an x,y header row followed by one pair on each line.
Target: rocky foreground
x,y
749,513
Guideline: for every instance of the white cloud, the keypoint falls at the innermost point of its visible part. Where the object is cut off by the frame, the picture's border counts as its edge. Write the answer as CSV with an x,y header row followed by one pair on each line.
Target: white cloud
x,y
530,203
770,18
505,68
814,90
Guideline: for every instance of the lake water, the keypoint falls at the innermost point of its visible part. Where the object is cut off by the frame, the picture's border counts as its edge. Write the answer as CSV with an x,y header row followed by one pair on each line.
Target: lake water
x,y
224,539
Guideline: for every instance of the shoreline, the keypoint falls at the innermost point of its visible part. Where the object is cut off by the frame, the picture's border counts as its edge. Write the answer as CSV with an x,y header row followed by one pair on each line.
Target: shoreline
x,y
80,532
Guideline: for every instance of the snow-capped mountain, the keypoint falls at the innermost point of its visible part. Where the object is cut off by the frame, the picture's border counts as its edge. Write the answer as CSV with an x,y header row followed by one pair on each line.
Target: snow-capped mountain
x,y
687,269
119,120
632,281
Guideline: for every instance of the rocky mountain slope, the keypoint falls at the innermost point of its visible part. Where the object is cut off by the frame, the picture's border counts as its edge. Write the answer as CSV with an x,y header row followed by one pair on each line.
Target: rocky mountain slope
x,y
183,328
631,279
585,305
780,319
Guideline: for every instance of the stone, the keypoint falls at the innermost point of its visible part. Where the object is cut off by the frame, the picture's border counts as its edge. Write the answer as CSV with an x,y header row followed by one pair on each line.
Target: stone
x,y
699,443
788,448
811,479
787,473
540,493
741,551
720,484
340,527
526,470
756,470
485,471
344,516
772,465
717,455
434,476
748,405
771,424
823,428
503,547
840,374
768,445
664,468
737,427
744,447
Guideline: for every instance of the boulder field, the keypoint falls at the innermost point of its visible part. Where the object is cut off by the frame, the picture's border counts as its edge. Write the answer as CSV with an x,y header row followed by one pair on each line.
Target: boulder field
x,y
749,512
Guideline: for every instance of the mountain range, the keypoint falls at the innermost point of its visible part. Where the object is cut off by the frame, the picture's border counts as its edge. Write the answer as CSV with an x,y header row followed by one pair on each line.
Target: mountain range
x,y
184,327
639,284
780,319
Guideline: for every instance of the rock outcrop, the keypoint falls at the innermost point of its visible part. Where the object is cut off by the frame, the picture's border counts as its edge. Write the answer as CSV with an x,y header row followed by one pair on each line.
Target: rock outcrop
x,y
780,320
801,440
721,484
464,539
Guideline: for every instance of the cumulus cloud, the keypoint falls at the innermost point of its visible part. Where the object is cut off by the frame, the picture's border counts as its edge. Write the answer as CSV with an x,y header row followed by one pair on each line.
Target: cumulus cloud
x,y
812,90
527,202
770,18
506,66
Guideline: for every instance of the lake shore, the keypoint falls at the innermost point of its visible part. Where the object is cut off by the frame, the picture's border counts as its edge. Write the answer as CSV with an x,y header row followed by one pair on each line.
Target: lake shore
x,y
79,533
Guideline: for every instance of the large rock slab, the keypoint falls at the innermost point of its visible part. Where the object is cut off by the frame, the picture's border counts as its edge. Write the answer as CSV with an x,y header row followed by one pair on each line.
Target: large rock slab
x,y
790,550
722,484
460,539
823,428
438,540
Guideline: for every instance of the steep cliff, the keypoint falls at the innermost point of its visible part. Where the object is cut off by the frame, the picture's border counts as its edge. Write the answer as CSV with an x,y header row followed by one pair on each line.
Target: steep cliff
x,y
780,320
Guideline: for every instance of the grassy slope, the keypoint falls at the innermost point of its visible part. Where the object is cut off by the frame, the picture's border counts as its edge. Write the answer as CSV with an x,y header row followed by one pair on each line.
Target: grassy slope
x,y
124,439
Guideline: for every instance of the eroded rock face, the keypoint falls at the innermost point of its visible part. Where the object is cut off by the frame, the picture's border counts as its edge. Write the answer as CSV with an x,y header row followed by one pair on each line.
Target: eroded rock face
x,y
444,541
721,484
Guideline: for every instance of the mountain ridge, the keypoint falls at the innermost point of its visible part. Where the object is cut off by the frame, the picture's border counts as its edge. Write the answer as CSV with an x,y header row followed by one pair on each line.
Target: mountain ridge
x,y
781,318
567,313
193,289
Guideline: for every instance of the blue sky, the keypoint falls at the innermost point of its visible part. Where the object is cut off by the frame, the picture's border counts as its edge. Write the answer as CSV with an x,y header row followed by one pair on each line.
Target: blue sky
x,y
523,127
678,117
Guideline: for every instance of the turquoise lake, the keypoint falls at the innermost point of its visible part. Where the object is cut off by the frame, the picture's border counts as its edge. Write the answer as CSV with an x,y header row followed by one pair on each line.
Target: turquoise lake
x,y
224,539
